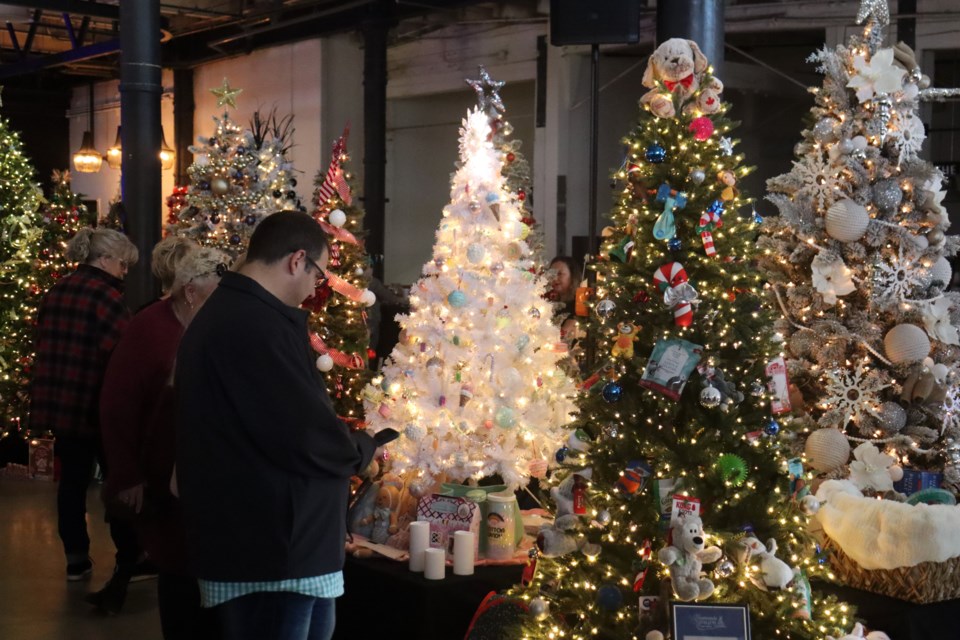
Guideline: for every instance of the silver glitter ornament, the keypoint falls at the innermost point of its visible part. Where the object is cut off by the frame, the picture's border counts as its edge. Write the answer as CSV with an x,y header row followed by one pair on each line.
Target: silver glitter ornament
x,y
611,431
887,195
697,176
883,111
539,608
710,397
605,308
725,568
604,517
825,130
757,389
892,417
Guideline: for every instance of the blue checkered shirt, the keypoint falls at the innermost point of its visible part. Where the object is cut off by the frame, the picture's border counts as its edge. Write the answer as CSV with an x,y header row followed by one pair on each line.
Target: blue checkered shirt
x,y
329,585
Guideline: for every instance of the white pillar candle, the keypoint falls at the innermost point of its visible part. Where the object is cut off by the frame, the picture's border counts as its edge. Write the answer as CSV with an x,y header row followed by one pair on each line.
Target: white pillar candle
x,y
463,552
419,542
435,564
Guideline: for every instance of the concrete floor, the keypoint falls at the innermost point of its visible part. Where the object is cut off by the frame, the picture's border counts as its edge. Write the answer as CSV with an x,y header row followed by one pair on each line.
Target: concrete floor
x,y
36,601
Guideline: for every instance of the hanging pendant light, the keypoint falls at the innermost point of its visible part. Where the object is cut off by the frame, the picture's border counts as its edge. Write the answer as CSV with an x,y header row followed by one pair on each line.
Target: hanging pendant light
x,y
87,159
167,155
115,153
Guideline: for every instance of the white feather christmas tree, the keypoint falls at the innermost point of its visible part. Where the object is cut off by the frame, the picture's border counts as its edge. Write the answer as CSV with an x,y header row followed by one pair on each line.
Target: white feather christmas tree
x,y
473,386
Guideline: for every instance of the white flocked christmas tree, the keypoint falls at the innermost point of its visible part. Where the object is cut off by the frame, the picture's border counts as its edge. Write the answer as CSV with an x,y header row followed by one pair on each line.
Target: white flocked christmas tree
x,y
473,386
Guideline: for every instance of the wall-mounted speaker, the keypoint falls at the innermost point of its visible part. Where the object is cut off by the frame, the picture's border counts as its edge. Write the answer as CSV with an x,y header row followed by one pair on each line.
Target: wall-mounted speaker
x,y
594,22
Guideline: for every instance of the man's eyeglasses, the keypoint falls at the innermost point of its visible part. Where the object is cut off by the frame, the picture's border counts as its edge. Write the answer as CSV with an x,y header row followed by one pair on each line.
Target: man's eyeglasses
x,y
322,277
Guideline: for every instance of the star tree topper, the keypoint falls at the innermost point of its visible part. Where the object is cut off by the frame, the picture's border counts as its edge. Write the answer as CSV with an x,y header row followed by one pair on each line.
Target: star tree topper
x,y
485,100
878,9
226,95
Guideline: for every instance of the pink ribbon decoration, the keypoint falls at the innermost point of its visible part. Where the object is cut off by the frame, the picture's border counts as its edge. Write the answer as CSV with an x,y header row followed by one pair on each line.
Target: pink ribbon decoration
x,y
341,359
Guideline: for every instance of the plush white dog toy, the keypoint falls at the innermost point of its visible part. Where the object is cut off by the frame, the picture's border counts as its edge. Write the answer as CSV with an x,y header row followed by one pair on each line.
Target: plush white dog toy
x,y
678,65
686,557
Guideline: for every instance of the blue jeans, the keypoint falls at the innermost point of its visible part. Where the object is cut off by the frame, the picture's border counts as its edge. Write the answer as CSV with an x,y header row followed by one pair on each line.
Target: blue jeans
x,y
278,616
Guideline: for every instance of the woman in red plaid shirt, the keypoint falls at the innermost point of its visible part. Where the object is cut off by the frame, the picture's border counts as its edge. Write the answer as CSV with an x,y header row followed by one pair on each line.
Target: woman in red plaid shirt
x,y
79,322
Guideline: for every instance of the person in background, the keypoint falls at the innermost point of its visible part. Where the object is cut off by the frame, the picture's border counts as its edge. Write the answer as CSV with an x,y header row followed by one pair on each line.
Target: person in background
x,y
263,462
164,259
138,429
564,279
79,322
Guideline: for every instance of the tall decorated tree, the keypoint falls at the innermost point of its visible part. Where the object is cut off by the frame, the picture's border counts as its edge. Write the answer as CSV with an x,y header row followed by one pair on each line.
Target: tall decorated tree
x,y
684,491
339,320
519,182
473,386
273,138
22,234
857,262
225,186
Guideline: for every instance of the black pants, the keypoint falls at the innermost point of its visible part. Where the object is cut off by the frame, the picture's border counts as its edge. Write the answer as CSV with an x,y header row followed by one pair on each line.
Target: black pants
x,y
181,616
77,455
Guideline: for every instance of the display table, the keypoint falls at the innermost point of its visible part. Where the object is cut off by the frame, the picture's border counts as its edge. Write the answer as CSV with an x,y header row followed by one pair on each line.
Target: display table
x,y
384,599
899,619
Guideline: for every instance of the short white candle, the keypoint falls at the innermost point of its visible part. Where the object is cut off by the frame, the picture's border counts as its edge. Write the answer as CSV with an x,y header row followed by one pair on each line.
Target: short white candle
x,y
435,564
419,542
463,552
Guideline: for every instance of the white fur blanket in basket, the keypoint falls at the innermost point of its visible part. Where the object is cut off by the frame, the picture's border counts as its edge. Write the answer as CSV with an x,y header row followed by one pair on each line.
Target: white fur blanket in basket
x,y
883,534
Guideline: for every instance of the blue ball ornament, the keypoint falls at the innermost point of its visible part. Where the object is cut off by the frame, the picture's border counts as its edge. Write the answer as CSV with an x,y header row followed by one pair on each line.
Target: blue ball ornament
x,y
241,150
493,197
457,299
772,427
609,597
505,418
235,239
561,454
251,220
612,392
675,244
656,153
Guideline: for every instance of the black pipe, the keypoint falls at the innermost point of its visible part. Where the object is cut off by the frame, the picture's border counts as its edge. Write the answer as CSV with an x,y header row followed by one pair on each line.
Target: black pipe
x,y
140,91
375,132
594,141
907,27
697,20
183,107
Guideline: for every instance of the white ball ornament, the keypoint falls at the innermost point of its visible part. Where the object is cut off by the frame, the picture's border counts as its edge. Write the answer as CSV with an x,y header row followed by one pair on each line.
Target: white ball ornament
x,y
219,186
827,449
338,218
906,343
475,252
325,363
941,271
847,221
654,635
368,298
809,504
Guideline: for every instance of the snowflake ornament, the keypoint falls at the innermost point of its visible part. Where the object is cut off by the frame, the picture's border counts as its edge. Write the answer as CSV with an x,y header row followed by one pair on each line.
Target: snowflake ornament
x,y
872,469
949,414
878,75
819,179
726,146
851,395
908,136
936,320
895,281
831,277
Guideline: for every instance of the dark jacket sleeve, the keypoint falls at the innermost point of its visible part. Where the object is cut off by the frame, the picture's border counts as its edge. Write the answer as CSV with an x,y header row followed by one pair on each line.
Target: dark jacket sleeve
x,y
286,417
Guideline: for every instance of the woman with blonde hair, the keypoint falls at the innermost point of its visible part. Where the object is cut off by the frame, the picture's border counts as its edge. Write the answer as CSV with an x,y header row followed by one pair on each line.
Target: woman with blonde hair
x,y
139,439
164,258
79,322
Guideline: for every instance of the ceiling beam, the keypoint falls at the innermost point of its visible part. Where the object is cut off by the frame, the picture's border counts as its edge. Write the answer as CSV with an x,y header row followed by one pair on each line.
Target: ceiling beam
x,y
59,59
34,23
76,7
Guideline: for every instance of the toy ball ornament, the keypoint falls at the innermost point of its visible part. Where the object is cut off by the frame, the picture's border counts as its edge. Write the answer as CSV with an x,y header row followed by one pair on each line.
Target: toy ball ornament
x,y
219,186
325,363
710,397
656,153
338,218
906,343
847,221
612,392
772,427
605,308
702,128
457,299
827,449
609,597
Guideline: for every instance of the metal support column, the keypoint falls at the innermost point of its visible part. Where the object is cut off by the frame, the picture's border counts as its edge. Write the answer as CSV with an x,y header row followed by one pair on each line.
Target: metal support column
x,y
697,20
183,107
375,133
140,91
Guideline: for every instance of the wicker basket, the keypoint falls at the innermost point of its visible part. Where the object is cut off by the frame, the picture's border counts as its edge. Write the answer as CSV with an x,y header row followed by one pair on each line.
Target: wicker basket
x,y
922,583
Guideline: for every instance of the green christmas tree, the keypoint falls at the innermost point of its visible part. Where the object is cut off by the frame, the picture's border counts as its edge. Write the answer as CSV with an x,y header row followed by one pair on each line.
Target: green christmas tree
x,y
338,322
677,427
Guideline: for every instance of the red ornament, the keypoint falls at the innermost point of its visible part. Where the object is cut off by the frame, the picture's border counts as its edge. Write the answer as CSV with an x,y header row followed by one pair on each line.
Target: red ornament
x,y
642,296
702,128
511,157
521,195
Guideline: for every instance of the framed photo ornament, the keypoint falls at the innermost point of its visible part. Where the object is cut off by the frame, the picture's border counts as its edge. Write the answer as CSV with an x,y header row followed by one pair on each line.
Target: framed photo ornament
x,y
690,621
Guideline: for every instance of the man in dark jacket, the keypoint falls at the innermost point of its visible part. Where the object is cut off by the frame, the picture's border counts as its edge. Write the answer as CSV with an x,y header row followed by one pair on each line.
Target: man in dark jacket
x,y
263,462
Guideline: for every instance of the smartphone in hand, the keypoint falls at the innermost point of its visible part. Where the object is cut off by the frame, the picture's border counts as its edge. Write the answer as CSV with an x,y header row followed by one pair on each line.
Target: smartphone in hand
x,y
384,436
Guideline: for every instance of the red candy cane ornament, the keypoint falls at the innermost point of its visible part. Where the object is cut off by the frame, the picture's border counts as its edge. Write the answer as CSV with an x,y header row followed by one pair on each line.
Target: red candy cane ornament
x,y
678,294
